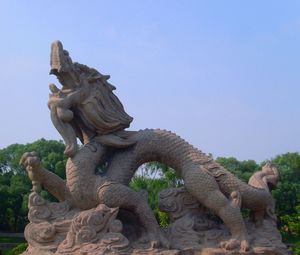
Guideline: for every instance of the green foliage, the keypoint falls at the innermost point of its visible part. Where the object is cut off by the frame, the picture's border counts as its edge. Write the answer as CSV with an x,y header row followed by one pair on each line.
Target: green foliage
x,y
291,222
153,178
15,185
152,186
296,248
5,239
18,249
287,197
159,170
287,194
49,151
163,219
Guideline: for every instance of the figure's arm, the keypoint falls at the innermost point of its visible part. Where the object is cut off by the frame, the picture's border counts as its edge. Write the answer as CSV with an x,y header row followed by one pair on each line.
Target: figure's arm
x,y
66,131
61,115
42,177
67,99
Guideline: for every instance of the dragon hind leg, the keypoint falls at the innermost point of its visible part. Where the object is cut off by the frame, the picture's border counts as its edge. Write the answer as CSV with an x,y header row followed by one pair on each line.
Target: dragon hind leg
x,y
118,195
205,189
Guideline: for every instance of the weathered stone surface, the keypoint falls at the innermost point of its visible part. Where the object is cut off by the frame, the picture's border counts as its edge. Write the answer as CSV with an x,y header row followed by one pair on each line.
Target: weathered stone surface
x,y
100,214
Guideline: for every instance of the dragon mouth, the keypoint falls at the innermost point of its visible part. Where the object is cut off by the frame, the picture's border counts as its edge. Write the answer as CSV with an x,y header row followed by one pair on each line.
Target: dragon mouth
x,y
59,59
62,66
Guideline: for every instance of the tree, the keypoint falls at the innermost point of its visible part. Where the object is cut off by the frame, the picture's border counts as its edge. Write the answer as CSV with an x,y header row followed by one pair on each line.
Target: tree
x,y
154,177
287,197
15,186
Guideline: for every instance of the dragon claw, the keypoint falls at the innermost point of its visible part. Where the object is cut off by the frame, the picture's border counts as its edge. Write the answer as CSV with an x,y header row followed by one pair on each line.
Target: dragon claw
x,y
30,161
159,240
244,246
235,243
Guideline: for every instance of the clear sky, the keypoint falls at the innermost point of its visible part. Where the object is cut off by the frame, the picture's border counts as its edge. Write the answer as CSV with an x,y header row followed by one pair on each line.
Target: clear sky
x,y
224,75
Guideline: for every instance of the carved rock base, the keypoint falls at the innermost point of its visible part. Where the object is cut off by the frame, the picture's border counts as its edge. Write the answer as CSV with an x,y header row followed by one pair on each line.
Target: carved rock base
x,y
56,229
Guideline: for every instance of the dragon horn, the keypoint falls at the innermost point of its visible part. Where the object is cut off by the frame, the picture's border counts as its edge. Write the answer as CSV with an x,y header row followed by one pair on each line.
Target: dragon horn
x,y
106,77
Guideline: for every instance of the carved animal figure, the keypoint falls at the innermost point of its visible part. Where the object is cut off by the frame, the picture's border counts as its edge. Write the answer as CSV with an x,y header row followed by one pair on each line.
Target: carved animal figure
x,y
86,108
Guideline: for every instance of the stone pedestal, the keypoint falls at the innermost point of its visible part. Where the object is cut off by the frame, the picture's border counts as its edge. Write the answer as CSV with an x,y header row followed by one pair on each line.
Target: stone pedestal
x,y
55,228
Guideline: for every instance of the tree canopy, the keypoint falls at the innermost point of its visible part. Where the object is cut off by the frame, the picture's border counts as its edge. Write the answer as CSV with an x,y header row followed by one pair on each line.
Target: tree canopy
x,y
15,186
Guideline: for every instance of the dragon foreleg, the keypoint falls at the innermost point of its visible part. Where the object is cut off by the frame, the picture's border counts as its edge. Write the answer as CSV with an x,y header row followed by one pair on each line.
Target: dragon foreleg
x,y
42,177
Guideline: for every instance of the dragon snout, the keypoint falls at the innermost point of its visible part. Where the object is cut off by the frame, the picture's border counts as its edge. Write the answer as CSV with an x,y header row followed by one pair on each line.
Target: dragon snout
x,y
60,60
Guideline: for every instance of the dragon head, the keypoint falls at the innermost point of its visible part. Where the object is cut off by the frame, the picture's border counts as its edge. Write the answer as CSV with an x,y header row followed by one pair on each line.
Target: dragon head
x,y
266,179
271,174
85,106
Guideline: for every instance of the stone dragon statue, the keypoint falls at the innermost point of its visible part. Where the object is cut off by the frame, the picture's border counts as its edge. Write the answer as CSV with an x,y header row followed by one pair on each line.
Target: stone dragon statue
x,y
86,108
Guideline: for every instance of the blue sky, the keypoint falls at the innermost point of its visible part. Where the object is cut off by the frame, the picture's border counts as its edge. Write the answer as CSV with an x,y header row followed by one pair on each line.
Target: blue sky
x,y
224,75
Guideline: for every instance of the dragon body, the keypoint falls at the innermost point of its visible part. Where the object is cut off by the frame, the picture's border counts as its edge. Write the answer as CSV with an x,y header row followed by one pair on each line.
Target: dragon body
x,y
105,141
